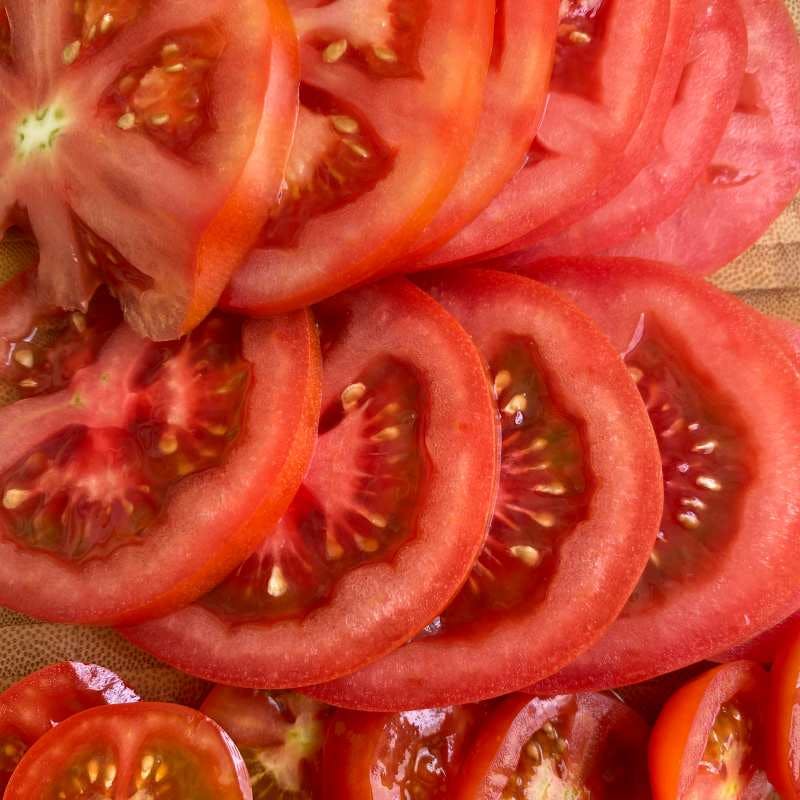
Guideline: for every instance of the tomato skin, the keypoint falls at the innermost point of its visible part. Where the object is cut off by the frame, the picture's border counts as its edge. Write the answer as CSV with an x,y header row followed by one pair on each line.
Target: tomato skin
x,y
681,731
782,730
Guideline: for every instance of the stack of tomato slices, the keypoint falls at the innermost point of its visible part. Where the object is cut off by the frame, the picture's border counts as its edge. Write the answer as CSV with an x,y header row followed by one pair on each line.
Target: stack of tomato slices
x,y
362,347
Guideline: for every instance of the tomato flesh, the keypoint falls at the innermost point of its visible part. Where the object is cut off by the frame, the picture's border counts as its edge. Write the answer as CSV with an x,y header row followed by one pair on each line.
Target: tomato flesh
x,y
31,707
137,750
280,737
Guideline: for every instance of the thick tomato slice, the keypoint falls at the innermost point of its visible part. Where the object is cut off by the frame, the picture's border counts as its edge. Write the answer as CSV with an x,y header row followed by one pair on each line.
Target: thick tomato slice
x,y
709,88
135,475
30,708
144,144
128,752
391,516
707,743
280,737
586,747
390,98
519,75
412,754
783,723
579,505
700,358
604,72
755,171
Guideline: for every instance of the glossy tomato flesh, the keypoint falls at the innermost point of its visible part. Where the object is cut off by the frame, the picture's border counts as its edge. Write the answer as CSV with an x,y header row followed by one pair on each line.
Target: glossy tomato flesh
x,y
698,357
31,707
111,444
390,97
134,148
577,448
392,513
140,750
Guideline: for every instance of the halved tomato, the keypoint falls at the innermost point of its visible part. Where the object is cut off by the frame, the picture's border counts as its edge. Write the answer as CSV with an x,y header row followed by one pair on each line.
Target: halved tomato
x,y
678,155
392,514
143,145
572,746
699,357
280,737
413,754
135,475
579,505
30,708
390,98
707,743
783,722
755,171
513,103
128,752
604,72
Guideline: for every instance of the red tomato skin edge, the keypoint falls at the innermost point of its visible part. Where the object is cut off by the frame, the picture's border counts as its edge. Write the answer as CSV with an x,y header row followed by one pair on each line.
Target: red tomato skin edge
x,y
239,221
782,733
681,731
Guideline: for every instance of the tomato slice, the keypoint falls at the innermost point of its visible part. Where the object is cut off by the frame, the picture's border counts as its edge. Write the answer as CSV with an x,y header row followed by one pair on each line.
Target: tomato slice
x,y
782,731
755,171
30,708
699,358
412,754
513,103
390,98
709,88
279,735
141,750
134,474
579,505
603,76
571,746
391,517
134,147
707,741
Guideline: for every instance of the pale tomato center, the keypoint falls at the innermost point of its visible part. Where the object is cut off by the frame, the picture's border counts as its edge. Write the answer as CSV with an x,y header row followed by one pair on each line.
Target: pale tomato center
x,y
37,132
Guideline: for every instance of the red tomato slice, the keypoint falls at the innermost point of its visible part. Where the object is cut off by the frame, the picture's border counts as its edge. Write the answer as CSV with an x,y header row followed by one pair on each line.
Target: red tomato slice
x,y
279,735
128,752
782,730
755,171
413,754
707,741
579,505
699,357
30,708
390,99
709,88
603,76
134,146
135,475
572,746
519,75
392,514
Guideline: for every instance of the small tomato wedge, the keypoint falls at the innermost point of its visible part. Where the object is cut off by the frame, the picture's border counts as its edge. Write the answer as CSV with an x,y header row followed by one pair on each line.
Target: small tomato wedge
x,y
390,97
135,474
391,516
578,508
709,88
413,754
143,146
700,358
587,747
707,743
31,707
127,752
755,171
280,737
604,71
